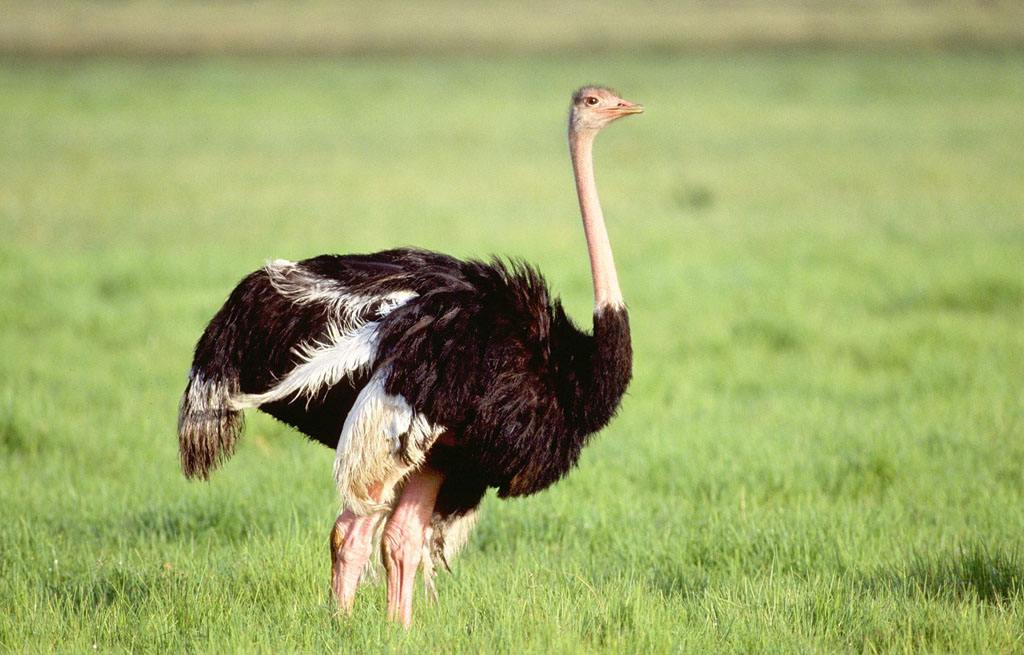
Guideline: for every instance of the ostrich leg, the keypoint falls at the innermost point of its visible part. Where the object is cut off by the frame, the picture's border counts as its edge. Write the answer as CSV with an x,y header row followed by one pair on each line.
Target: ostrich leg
x,y
351,546
402,545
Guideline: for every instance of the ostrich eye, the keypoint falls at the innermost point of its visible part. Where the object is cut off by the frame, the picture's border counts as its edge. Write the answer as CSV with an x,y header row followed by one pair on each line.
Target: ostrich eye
x,y
590,100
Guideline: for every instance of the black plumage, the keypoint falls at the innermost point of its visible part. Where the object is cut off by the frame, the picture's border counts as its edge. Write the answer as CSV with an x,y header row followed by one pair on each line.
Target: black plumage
x,y
482,349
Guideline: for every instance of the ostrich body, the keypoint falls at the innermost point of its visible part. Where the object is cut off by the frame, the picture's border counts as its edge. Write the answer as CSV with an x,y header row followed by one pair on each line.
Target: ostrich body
x,y
434,378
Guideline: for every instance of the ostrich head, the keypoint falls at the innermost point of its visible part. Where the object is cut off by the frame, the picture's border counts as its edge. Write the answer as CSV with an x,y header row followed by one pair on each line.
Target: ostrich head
x,y
594,107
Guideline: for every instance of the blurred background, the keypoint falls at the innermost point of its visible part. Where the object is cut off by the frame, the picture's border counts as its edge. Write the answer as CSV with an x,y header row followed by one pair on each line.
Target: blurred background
x,y
819,226
315,27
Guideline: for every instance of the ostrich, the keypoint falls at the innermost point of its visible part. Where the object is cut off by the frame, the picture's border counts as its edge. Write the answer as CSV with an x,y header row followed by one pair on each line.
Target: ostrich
x,y
433,378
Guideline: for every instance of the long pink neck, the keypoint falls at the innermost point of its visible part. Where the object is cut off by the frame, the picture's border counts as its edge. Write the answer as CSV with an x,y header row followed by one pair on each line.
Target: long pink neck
x,y
602,265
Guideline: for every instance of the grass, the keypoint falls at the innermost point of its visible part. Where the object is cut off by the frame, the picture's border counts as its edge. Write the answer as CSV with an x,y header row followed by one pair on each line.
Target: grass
x,y
822,449
261,27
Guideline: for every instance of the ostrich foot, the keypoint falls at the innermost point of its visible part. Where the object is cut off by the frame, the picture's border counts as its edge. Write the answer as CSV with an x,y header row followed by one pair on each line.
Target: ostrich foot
x,y
402,544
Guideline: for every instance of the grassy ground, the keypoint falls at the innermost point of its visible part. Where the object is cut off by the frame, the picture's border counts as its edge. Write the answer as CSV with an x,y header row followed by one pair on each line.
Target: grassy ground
x,y
823,449
176,27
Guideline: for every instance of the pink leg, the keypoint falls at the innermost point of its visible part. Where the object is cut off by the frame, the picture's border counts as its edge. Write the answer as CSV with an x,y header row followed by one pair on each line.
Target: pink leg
x,y
402,544
351,546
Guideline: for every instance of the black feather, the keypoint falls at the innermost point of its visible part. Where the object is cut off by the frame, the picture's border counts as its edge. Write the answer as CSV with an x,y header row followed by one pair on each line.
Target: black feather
x,y
482,350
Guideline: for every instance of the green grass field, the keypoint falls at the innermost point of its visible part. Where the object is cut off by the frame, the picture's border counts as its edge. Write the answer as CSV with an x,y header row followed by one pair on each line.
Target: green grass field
x,y
823,447
345,27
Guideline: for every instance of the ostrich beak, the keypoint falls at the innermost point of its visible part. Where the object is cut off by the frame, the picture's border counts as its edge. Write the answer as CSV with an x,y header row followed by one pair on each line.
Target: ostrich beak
x,y
625,107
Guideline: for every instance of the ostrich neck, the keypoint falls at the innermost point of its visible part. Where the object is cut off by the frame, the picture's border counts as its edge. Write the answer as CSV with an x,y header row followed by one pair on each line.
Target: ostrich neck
x,y
602,265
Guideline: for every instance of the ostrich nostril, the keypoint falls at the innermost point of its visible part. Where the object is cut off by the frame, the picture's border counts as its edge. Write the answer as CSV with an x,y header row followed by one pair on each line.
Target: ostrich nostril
x,y
622,104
